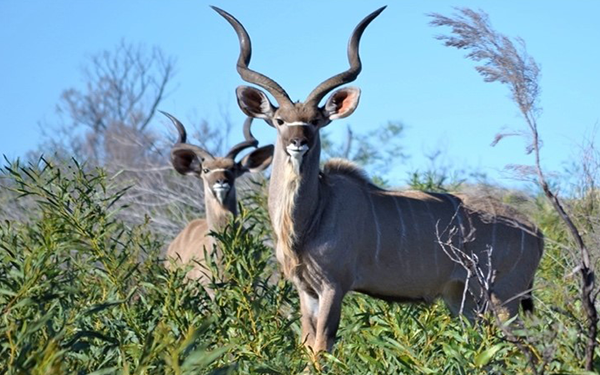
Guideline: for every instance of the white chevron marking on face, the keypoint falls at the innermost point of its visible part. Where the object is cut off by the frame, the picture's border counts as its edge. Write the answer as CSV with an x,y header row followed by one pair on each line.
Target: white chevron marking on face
x,y
296,123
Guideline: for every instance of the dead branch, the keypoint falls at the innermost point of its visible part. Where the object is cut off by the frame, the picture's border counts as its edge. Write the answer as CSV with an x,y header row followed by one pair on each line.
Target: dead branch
x,y
508,63
484,278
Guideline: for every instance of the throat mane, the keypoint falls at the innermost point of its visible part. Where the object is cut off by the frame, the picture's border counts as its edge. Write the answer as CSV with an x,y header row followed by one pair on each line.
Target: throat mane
x,y
283,223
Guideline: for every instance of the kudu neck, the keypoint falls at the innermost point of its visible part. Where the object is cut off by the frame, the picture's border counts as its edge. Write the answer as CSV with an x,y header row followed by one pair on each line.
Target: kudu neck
x,y
219,215
298,194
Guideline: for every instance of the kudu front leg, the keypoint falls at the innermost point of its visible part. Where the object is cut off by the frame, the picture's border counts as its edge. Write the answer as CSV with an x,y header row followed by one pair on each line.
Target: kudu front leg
x,y
328,319
309,307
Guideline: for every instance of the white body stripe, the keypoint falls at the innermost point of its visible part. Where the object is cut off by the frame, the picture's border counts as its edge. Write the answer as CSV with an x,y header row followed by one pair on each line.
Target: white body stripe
x,y
376,227
461,228
493,244
521,252
436,248
402,226
412,218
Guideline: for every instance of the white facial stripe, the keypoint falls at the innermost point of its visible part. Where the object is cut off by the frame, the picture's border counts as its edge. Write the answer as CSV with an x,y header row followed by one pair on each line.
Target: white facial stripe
x,y
296,123
219,170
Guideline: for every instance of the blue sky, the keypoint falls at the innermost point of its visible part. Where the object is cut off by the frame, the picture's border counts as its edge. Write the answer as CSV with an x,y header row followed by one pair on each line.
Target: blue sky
x,y
407,75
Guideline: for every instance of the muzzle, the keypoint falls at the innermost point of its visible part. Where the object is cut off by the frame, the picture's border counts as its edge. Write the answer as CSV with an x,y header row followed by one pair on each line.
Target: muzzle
x,y
221,189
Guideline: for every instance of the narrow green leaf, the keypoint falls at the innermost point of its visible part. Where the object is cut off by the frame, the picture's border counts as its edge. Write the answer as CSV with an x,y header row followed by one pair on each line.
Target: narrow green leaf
x,y
108,370
485,356
102,306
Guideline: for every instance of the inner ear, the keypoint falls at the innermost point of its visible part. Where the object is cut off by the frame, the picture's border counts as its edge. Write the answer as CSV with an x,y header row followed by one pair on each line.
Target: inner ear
x,y
254,103
258,160
342,103
186,162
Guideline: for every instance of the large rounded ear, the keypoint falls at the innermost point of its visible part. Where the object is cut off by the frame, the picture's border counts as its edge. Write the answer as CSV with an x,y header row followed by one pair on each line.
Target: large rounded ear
x,y
342,103
254,103
187,159
258,160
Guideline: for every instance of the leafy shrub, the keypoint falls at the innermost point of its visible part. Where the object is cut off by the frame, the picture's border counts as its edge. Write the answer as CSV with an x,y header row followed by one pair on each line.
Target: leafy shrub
x,y
82,292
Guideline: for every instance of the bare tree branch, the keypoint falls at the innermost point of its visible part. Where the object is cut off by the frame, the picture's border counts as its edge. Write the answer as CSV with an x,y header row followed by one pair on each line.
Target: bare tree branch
x,y
108,119
484,277
508,63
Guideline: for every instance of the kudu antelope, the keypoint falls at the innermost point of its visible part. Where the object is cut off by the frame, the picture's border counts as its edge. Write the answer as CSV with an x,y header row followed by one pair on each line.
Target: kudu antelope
x,y
220,203
337,232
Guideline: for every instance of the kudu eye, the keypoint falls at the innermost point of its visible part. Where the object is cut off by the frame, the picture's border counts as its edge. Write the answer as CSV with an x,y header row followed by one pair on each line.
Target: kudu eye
x,y
314,122
205,170
279,121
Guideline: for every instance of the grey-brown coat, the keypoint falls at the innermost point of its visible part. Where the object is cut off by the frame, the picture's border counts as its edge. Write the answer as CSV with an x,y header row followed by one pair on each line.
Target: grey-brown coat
x,y
337,232
218,175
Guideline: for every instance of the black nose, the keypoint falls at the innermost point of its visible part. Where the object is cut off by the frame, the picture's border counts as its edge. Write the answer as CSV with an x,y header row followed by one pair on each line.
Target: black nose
x,y
298,142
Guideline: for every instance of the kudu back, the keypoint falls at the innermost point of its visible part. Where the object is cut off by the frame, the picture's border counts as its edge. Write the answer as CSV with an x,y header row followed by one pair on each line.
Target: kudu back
x,y
338,232
218,175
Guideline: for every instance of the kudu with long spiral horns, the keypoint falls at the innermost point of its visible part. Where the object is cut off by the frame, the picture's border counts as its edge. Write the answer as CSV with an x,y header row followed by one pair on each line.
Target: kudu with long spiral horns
x,y
218,175
337,232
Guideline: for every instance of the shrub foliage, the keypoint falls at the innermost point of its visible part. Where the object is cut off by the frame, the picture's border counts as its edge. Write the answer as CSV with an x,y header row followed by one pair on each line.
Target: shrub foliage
x,y
83,292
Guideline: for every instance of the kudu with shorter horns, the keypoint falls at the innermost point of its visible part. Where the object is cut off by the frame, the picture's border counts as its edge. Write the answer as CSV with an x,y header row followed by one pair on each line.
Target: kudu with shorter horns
x,y
220,203
337,232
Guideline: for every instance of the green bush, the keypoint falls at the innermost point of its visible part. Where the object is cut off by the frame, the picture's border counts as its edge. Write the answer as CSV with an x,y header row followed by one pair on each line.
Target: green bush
x,y
82,292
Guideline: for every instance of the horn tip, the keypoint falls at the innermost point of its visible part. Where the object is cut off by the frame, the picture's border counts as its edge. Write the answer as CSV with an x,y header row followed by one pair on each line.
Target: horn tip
x,y
221,12
180,128
378,11
167,114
